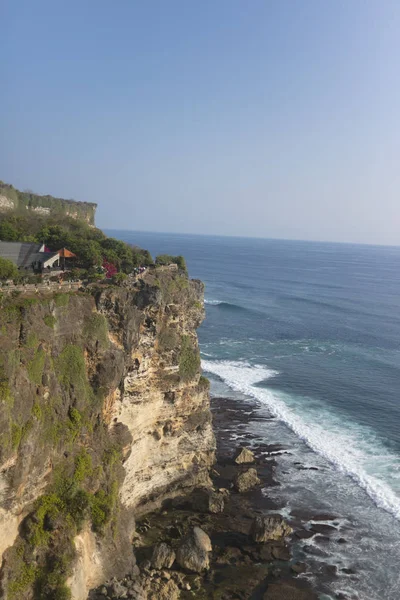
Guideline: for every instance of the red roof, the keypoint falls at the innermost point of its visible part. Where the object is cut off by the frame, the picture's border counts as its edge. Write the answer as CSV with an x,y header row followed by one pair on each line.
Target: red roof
x,y
66,253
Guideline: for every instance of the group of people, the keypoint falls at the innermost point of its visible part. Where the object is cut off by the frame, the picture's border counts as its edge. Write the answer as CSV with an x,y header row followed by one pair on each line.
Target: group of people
x,y
139,270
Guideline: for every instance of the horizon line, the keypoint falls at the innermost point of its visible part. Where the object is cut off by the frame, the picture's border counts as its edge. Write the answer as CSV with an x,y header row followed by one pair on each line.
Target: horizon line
x,y
248,237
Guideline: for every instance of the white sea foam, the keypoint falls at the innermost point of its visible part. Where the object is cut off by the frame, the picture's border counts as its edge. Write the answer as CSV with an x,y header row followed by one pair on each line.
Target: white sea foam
x,y
351,448
212,302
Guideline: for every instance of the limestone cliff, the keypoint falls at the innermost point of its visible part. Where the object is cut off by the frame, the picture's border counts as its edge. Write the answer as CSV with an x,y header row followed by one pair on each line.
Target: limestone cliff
x,y
103,415
13,200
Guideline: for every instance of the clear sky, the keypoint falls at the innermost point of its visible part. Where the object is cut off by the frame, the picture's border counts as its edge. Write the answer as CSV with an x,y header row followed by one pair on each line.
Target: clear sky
x,y
269,118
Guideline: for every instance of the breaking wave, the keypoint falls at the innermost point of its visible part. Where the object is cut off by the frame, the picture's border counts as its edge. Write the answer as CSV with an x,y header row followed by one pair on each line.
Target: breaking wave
x,y
353,449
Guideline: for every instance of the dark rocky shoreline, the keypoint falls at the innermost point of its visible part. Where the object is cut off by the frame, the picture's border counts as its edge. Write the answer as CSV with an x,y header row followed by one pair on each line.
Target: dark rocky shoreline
x,y
239,567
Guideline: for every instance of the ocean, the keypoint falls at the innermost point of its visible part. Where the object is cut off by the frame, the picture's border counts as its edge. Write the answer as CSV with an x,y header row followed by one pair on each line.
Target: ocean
x,y
311,331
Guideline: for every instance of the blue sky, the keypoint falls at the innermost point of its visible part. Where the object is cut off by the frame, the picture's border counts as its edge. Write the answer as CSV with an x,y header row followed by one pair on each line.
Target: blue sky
x,y
258,118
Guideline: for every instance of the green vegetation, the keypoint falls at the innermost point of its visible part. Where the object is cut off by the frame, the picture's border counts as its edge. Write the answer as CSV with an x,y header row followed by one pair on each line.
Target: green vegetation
x,y
90,245
32,340
25,575
204,383
189,360
36,366
37,411
18,433
74,423
58,206
119,278
101,507
50,321
7,269
61,300
96,330
71,370
83,466
167,259
5,392
43,556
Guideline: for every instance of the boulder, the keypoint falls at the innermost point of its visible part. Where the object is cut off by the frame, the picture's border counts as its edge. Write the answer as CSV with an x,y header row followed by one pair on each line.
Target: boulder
x,y
206,500
246,480
244,456
192,553
163,556
268,529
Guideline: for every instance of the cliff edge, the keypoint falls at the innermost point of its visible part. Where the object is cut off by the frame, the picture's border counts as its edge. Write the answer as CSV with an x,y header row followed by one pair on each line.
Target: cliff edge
x,y
13,200
104,414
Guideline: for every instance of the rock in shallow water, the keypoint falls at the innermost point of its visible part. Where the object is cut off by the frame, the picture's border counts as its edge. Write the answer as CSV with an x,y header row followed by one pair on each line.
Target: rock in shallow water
x,y
244,456
272,528
192,553
246,480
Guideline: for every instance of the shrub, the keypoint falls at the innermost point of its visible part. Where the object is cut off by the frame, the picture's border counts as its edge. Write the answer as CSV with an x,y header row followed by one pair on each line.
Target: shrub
x,y
83,466
119,278
204,383
7,269
168,259
102,504
50,321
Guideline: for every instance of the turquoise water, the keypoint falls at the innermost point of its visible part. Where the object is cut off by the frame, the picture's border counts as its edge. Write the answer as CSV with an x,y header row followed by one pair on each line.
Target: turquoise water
x,y
312,332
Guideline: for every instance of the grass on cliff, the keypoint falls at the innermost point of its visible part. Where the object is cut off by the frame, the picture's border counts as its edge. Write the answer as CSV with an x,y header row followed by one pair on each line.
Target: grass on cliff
x,y
71,370
189,360
43,557
96,330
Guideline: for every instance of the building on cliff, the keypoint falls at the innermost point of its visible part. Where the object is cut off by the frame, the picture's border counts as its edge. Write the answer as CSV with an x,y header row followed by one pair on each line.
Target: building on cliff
x,y
28,255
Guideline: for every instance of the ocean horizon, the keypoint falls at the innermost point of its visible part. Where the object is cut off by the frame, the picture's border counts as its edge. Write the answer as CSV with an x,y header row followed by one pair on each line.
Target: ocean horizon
x,y
311,331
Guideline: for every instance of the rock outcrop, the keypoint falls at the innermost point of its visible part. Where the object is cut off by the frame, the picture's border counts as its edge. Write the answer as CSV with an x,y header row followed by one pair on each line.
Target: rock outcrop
x,y
104,415
193,552
270,528
163,556
246,480
244,456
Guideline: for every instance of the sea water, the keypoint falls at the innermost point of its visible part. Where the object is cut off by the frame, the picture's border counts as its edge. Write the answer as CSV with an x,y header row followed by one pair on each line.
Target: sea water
x,y
311,331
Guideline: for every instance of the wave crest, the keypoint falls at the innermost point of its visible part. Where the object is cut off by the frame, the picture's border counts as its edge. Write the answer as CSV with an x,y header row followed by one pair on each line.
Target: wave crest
x,y
344,445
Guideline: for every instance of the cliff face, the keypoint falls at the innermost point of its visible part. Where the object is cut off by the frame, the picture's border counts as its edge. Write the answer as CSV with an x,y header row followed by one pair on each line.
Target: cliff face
x,y
103,415
12,199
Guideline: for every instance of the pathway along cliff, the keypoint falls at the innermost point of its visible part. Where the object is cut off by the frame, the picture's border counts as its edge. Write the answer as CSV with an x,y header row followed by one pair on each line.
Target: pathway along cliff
x,y
106,452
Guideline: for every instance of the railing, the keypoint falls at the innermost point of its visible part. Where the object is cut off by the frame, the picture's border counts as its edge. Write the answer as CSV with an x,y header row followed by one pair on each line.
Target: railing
x,y
50,286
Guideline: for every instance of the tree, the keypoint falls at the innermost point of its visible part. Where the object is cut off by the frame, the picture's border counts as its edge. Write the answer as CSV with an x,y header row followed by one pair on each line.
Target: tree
x,y
7,269
167,259
8,233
